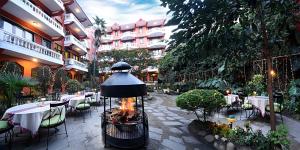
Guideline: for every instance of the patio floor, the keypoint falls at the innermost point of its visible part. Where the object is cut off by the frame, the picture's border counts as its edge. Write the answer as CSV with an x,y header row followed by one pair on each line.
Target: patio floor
x,y
167,125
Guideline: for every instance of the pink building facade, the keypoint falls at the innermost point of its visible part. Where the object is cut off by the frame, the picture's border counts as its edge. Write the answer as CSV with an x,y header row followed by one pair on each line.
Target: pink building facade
x,y
142,34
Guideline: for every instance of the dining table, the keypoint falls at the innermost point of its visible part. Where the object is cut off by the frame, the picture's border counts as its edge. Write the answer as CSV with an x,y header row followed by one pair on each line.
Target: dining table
x,y
29,116
231,98
259,102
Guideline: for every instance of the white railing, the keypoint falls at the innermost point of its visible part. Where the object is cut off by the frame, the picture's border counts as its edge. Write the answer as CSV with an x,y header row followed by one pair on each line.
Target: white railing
x,y
31,46
129,46
70,39
154,30
128,34
40,14
71,61
61,4
107,37
71,17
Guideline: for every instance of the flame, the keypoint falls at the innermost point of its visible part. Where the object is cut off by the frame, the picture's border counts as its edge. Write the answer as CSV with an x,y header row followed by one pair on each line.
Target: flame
x,y
127,105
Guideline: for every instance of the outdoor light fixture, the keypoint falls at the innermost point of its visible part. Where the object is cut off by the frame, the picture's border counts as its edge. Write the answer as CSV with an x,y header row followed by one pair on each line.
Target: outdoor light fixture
x,y
34,59
254,93
273,73
77,10
228,92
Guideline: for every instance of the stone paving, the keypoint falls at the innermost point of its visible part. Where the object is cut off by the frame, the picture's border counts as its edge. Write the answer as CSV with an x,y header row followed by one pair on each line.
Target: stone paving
x,y
167,130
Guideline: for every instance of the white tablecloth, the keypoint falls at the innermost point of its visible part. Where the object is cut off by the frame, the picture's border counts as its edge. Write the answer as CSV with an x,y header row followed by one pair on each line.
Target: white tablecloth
x,y
28,116
231,98
260,102
74,101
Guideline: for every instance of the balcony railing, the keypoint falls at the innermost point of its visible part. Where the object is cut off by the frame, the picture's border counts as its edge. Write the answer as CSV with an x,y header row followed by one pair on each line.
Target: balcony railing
x,y
31,48
34,10
70,39
71,18
129,46
157,44
72,63
107,38
156,32
60,3
128,36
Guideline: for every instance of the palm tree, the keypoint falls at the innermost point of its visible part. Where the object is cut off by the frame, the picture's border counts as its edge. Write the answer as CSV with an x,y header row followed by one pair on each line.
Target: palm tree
x,y
99,32
11,84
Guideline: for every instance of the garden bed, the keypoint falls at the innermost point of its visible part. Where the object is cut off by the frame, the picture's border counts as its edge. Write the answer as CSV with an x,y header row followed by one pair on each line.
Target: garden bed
x,y
222,137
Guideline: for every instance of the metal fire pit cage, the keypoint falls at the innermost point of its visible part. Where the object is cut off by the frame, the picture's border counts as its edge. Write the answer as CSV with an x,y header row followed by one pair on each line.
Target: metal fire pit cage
x,y
122,84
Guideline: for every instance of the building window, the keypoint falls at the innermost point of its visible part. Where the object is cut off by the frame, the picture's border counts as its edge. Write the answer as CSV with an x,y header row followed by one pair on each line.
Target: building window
x,y
58,48
1,23
67,54
116,33
46,43
141,40
141,30
116,43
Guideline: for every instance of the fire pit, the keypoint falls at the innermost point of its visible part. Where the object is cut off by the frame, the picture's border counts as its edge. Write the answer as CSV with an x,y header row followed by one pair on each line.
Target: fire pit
x,y
124,126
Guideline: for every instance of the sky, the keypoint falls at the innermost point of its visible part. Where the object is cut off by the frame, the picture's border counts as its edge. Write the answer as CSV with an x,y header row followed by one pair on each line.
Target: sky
x,y
125,11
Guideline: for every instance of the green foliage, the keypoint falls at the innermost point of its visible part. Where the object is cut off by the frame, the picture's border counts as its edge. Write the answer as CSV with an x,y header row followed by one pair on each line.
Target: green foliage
x,y
140,58
44,76
208,100
12,84
280,137
11,67
256,84
73,86
213,83
99,31
93,74
227,35
60,79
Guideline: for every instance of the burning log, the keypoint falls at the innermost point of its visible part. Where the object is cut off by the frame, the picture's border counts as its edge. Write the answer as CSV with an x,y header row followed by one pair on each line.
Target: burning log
x,y
126,113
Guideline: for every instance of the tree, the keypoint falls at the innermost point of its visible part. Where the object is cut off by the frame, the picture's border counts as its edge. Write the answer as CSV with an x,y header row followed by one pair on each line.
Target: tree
x,y
44,76
229,34
98,33
140,59
208,100
60,79
12,84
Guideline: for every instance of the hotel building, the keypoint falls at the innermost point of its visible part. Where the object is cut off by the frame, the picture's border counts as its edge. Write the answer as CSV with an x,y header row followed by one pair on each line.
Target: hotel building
x,y
134,36
35,33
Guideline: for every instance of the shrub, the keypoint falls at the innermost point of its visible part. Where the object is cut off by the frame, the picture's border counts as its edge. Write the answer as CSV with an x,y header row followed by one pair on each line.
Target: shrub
x,y
73,86
208,100
256,84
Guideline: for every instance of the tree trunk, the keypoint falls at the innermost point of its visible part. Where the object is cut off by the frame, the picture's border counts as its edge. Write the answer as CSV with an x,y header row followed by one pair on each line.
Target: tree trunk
x,y
267,54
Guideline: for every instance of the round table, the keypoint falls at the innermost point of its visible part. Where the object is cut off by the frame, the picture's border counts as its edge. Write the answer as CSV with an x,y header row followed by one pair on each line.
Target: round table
x,y
260,102
28,116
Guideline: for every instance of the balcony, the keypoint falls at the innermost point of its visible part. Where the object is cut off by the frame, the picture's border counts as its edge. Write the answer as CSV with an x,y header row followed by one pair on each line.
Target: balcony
x,y
128,46
156,32
74,64
126,36
106,38
75,24
33,15
22,48
157,44
77,45
54,5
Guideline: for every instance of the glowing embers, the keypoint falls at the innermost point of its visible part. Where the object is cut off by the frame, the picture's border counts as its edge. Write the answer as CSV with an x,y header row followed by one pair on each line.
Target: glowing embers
x,y
126,113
